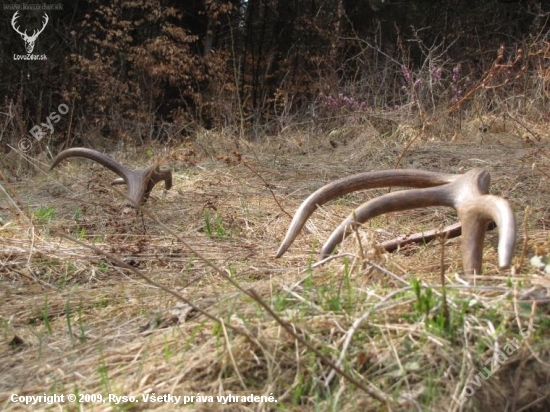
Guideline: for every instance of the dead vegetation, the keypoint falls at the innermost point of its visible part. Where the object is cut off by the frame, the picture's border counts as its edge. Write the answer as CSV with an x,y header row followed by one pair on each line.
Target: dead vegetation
x,y
76,322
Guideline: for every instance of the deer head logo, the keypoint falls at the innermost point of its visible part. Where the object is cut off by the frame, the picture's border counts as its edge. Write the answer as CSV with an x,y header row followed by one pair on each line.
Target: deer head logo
x,y
29,40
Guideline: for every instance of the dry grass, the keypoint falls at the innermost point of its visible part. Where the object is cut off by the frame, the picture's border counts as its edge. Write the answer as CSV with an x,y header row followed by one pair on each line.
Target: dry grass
x,y
75,323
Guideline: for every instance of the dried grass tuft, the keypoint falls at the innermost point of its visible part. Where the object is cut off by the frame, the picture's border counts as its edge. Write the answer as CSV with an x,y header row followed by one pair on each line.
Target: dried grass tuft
x,y
72,321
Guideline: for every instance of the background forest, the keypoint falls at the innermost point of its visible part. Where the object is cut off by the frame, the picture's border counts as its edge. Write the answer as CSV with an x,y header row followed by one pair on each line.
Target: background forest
x,y
141,70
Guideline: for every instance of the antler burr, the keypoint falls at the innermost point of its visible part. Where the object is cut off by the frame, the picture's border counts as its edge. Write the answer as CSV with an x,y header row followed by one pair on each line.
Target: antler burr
x,y
466,193
139,182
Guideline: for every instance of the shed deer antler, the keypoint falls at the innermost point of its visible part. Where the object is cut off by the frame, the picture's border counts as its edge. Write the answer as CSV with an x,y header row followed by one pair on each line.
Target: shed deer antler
x,y
467,193
139,182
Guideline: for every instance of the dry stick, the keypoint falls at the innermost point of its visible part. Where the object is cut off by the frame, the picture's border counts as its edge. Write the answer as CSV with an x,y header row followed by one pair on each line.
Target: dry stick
x,y
365,315
531,317
536,144
462,378
443,290
351,331
125,265
446,112
389,273
232,357
420,133
121,263
16,202
535,135
317,264
325,260
31,249
516,382
237,88
67,144
268,188
525,240
18,208
394,276
33,278
424,237
371,390
362,253
530,405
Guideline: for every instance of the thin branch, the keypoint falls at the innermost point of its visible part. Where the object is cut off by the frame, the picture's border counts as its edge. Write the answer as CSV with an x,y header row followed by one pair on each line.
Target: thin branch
x,y
370,389
267,185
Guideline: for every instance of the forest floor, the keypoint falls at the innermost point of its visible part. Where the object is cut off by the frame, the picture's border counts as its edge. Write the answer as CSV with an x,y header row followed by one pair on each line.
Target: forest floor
x,y
75,322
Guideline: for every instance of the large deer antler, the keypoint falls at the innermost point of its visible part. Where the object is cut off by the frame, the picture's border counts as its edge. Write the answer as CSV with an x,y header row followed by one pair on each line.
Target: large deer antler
x,y
139,182
29,40
467,193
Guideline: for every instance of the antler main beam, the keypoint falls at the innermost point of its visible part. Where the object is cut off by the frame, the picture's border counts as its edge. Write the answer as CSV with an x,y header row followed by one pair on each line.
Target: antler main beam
x,y
139,182
466,193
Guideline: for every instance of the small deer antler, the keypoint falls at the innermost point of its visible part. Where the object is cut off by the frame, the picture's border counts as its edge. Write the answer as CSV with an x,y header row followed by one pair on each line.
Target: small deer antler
x,y
466,193
140,182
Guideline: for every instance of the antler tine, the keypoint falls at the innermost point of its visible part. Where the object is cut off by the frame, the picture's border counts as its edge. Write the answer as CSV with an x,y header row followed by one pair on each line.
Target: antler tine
x,y
13,22
390,202
360,181
475,215
46,20
139,182
476,209
157,175
96,156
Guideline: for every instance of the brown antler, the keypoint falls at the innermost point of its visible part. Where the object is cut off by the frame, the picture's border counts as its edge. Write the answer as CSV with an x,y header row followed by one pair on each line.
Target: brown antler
x,y
466,193
139,182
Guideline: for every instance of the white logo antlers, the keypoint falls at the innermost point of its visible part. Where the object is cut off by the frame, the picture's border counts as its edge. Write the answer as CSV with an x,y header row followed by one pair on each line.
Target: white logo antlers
x,y
29,40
